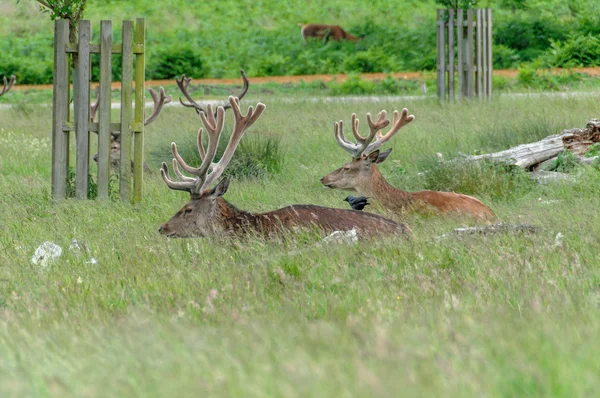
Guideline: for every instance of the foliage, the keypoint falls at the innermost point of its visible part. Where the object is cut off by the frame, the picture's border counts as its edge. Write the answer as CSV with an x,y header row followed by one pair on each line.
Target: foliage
x,y
565,162
458,4
497,180
64,9
576,51
266,39
593,150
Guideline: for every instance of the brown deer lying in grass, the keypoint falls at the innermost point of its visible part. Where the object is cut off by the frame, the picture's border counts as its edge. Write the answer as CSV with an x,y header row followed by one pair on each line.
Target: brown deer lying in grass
x,y
8,84
159,100
207,213
363,176
326,32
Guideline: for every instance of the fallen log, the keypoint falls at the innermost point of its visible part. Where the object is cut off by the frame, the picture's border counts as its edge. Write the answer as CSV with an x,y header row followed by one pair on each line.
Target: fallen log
x,y
529,156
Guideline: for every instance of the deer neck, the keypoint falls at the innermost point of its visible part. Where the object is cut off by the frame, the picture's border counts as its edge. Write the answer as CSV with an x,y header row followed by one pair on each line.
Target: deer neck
x,y
233,219
386,194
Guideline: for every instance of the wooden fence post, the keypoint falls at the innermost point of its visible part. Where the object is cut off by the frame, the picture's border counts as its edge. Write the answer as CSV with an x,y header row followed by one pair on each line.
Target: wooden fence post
x,y
81,103
126,110
140,67
441,55
104,110
60,105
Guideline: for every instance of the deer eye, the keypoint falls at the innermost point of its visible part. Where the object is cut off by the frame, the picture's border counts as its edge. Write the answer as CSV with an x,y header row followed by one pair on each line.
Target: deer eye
x,y
346,168
187,211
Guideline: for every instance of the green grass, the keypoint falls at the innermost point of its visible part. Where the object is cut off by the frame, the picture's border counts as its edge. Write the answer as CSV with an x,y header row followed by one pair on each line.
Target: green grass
x,y
504,315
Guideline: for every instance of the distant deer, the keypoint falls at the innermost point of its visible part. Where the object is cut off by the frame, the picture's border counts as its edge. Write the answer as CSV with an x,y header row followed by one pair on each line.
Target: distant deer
x,y
208,214
8,84
159,100
326,32
363,176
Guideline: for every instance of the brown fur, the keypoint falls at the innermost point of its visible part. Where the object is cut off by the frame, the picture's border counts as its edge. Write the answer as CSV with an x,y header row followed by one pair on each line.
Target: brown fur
x,y
210,214
320,31
364,177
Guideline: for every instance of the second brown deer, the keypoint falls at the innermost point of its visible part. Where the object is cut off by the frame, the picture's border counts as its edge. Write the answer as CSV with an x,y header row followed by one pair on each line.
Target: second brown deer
x,y
209,214
362,175
326,32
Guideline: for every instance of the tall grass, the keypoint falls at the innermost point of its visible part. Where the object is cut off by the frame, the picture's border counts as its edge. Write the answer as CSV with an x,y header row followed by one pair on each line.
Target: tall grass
x,y
503,315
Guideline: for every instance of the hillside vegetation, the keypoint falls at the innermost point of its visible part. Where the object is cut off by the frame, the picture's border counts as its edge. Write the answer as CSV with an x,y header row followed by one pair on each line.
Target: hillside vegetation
x,y
216,39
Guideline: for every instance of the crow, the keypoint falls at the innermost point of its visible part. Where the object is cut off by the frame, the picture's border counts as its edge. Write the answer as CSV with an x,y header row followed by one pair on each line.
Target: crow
x,y
357,203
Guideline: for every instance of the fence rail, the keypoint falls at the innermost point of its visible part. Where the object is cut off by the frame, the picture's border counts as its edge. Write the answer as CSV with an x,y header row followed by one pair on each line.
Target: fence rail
x,y
131,120
468,40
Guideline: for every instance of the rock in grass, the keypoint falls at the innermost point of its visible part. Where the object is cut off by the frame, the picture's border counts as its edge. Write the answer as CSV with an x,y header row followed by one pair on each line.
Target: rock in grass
x,y
47,253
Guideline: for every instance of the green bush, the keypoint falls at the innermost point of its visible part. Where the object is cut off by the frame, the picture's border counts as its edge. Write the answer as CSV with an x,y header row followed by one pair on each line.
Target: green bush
x,y
505,57
576,51
173,61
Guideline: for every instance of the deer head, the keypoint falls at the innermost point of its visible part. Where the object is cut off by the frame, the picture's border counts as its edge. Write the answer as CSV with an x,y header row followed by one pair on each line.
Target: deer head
x,y
8,84
202,215
359,174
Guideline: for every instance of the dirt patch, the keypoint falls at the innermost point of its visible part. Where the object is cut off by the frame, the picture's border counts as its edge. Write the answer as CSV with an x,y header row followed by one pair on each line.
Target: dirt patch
x,y
324,78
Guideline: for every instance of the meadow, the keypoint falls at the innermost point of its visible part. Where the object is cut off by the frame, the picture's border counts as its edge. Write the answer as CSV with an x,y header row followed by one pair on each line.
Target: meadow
x,y
501,315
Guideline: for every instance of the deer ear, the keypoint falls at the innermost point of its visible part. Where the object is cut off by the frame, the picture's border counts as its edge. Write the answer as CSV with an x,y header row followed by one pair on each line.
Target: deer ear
x,y
220,189
383,156
372,157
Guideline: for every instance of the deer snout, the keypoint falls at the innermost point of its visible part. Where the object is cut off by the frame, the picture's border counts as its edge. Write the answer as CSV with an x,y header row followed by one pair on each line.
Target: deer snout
x,y
96,158
164,230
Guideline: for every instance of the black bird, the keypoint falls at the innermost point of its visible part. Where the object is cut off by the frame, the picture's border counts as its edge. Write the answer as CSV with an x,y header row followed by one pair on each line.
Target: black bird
x,y
357,203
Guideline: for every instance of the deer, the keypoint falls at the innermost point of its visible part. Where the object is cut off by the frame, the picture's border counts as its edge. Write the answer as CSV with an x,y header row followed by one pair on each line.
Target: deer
x,y
326,32
8,84
362,175
159,100
208,214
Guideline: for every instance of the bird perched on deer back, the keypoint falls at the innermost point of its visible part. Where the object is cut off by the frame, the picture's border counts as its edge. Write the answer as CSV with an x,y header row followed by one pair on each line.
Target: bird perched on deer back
x,y
357,202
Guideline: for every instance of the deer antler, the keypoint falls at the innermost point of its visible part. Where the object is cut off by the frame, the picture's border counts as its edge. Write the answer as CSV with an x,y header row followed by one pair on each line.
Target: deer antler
x,y
159,101
8,84
214,128
184,82
364,145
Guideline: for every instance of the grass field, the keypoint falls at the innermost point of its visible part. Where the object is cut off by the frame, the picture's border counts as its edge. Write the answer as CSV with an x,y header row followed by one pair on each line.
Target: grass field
x,y
503,315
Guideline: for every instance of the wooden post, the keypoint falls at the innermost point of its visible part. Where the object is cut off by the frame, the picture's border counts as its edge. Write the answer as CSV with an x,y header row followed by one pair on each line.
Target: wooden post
x,y
81,101
488,12
469,54
451,23
60,106
460,49
104,110
441,55
140,68
479,54
126,110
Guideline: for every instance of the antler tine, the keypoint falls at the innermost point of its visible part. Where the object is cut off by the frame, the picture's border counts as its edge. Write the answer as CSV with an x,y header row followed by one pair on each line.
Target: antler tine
x,y
244,90
183,84
201,148
8,84
187,186
242,123
95,105
214,128
338,131
179,174
159,102
399,122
